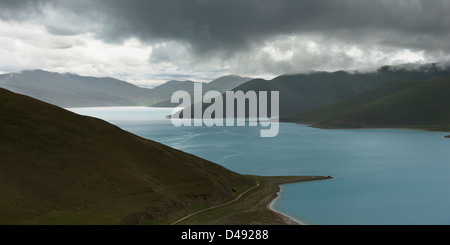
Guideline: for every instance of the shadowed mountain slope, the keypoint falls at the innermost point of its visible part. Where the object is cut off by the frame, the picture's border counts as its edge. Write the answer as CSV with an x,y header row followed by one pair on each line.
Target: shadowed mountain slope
x,y
414,104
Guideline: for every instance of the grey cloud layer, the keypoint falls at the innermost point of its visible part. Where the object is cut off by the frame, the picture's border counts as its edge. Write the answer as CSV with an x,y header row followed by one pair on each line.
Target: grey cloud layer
x,y
225,28
234,24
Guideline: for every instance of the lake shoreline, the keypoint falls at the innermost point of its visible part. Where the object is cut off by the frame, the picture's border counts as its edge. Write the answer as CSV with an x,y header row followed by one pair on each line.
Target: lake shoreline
x,y
255,207
418,128
287,218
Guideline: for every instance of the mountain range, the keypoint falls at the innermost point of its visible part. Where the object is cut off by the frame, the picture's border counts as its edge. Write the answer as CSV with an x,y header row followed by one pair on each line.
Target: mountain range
x,y
302,92
221,85
409,104
72,90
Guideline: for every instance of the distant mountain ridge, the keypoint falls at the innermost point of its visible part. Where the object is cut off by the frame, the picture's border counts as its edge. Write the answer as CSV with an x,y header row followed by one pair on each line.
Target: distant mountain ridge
x,y
72,90
164,91
221,85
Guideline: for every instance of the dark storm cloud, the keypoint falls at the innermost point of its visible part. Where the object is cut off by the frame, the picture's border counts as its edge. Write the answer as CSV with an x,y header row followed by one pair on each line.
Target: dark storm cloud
x,y
235,24
19,9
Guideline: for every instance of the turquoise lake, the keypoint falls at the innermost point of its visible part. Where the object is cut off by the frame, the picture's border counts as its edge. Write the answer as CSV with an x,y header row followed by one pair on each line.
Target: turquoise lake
x,y
382,176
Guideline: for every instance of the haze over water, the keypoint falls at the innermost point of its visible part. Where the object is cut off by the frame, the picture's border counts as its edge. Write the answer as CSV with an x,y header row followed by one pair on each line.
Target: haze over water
x,y
382,176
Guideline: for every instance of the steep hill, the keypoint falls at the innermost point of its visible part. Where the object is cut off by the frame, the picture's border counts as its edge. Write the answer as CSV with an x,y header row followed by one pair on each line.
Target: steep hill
x,y
57,167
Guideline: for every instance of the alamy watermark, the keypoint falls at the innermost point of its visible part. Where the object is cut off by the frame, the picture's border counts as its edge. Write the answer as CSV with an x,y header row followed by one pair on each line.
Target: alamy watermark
x,y
193,112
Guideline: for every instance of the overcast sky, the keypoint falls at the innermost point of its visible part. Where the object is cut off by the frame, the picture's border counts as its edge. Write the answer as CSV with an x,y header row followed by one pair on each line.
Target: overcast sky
x,y
149,42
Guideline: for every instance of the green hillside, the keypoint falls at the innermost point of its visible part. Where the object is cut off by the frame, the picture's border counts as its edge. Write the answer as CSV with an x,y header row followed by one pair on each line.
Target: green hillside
x,y
412,104
302,92
57,167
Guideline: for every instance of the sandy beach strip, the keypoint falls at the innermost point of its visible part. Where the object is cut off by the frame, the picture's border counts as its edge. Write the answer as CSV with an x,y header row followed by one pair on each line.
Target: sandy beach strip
x,y
289,219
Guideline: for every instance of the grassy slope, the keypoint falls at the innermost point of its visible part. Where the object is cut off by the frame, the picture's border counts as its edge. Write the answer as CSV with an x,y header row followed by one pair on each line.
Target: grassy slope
x,y
57,167
302,92
416,104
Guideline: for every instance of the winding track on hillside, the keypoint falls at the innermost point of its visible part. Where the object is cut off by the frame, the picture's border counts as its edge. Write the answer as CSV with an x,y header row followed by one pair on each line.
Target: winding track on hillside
x,y
216,206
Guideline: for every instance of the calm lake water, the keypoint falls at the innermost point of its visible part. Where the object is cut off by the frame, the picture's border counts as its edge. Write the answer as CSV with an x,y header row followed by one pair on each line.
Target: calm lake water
x,y
382,176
